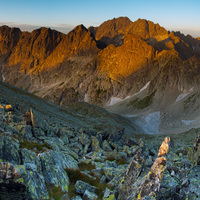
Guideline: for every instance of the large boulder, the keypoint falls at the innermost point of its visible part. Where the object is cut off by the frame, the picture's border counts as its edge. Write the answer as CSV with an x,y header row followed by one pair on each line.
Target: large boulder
x,y
195,153
81,187
132,173
9,150
53,168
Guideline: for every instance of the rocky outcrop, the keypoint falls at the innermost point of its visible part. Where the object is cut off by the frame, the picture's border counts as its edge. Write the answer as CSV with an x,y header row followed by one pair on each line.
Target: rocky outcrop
x,y
195,152
111,31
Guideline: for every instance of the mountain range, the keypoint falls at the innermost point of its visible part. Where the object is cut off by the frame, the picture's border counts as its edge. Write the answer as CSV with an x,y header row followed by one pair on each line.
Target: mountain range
x,y
137,69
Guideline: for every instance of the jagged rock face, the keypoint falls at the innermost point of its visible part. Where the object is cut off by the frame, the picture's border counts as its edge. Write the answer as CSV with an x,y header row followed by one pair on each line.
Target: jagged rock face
x,y
146,29
129,55
9,38
115,59
111,31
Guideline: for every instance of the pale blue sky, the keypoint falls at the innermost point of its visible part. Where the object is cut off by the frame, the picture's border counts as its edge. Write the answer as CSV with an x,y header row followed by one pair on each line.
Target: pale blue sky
x,y
183,15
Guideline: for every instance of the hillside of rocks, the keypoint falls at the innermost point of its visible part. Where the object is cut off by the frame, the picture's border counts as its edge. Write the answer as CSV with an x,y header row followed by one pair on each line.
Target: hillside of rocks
x,y
84,152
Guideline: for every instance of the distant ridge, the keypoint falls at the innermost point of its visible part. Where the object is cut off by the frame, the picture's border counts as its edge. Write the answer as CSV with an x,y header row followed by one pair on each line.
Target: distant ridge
x,y
115,59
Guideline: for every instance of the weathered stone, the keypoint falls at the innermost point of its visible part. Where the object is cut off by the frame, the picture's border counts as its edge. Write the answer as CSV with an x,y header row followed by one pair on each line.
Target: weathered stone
x,y
53,168
95,144
168,186
89,195
85,139
25,131
38,132
111,172
103,179
130,142
195,153
81,187
164,147
9,150
36,187
108,195
106,146
76,198
131,175
76,147
127,150
150,185
111,163
116,136
30,157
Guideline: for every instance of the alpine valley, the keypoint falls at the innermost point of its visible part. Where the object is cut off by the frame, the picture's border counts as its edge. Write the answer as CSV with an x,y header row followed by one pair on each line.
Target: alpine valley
x,y
82,115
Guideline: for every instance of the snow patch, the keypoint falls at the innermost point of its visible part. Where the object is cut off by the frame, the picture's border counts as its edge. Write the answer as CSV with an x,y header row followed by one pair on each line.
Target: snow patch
x,y
152,123
3,77
188,122
144,88
130,115
114,100
86,98
181,96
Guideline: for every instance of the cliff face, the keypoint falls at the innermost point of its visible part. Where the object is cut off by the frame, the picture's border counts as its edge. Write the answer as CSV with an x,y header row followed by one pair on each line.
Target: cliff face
x,y
115,59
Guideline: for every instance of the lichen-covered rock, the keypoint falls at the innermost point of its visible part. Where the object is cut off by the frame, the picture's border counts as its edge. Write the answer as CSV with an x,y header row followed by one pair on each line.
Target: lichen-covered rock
x,y
76,198
25,131
131,175
108,195
89,195
9,150
116,136
36,187
168,186
95,144
111,172
81,187
30,157
33,181
106,146
53,167
149,185
12,186
195,153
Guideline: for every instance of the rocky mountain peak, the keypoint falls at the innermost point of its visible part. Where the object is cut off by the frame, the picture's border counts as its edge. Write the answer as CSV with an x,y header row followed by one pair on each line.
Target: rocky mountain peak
x,y
8,38
146,29
111,31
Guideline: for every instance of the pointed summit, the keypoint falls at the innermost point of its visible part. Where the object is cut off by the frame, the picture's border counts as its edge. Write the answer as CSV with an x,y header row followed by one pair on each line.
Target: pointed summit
x,y
146,29
111,31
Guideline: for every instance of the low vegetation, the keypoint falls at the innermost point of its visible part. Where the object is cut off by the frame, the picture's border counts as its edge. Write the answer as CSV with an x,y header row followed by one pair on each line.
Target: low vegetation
x,y
37,147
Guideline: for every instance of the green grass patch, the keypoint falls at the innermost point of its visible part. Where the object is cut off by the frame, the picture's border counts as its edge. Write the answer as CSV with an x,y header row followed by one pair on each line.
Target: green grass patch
x,y
119,161
145,102
190,101
84,166
55,193
35,92
133,102
34,145
75,175
142,103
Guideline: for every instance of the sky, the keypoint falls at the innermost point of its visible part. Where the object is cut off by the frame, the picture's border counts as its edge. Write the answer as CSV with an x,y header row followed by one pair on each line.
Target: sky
x,y
64,15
